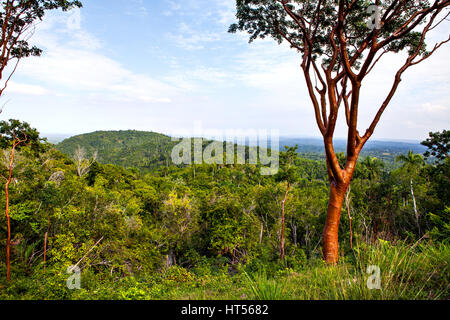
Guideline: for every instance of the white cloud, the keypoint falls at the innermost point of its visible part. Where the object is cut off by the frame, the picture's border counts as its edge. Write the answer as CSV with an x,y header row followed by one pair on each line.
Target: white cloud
x,y
73,63
137,9
227,11
27,89
190,39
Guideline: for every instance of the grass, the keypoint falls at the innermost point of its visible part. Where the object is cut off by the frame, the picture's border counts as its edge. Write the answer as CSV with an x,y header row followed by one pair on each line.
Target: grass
x,y
419,271
263,288
406,272
413,272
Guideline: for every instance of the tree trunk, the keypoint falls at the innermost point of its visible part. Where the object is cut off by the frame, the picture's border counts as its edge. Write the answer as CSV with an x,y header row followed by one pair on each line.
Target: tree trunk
x,y
46,239
415,207
347,203
8,219
283,219
331,230
261,233
45,248
8,241
171,259
294,234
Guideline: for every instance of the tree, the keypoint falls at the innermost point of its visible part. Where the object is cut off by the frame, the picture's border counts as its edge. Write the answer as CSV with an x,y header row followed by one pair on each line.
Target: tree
x,y
339,46
14,134
412,164
17,19
179,221
438,145
288,174
84,164
371,168
365,185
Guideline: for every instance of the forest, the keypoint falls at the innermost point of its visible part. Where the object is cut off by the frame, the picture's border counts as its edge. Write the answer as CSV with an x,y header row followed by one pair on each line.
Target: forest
x,y
214,231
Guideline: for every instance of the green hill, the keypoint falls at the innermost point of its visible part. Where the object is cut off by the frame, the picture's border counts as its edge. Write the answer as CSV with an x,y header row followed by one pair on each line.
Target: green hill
x,y
140,149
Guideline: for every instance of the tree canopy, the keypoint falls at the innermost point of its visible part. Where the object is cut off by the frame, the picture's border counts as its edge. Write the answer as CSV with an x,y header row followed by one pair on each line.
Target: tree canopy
x,y
438,145
17,22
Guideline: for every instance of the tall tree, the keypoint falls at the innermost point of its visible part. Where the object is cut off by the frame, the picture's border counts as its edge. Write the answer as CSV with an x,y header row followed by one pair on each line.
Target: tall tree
x,y
438,149
371,168
412,163
14,134
339,45
287,174
17,20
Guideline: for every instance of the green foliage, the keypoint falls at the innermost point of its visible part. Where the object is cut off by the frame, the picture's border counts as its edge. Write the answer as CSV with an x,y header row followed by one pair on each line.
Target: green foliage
x,y
17,17
411,162
14,130
295,21
288,172
440,224
438,145
263,288
142,150
178,275
212,232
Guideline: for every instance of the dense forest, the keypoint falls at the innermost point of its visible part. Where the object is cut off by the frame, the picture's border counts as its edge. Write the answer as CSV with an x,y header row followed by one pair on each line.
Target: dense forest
x,y
157,231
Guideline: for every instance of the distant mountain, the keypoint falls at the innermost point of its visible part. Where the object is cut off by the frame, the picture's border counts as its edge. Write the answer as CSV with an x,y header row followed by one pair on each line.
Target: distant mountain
x,y
55,138
385,150
140,149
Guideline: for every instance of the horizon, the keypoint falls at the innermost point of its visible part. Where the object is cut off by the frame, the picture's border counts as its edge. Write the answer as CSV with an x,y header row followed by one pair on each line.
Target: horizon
x,y
59,137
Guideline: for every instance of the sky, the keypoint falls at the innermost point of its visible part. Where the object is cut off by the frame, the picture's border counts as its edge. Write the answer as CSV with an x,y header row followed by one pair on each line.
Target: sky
x,y
170,66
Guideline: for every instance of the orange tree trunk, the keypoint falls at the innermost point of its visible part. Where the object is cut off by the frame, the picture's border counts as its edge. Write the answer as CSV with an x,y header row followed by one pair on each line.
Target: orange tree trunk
x,y
8,240
8,220
331,230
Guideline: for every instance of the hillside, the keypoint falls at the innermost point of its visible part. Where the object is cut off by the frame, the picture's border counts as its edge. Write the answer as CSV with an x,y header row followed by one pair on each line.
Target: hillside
x,y
140,149
149,150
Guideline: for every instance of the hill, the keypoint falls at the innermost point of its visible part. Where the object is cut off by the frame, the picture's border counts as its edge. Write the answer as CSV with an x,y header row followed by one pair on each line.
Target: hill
x,y
140,149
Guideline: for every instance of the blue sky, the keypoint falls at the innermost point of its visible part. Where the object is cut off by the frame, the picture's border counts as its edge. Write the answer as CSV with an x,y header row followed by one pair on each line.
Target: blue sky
x,y
165,65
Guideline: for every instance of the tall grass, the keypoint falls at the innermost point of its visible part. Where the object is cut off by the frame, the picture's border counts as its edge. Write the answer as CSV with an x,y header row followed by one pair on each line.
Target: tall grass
x,y
263,288
419,271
